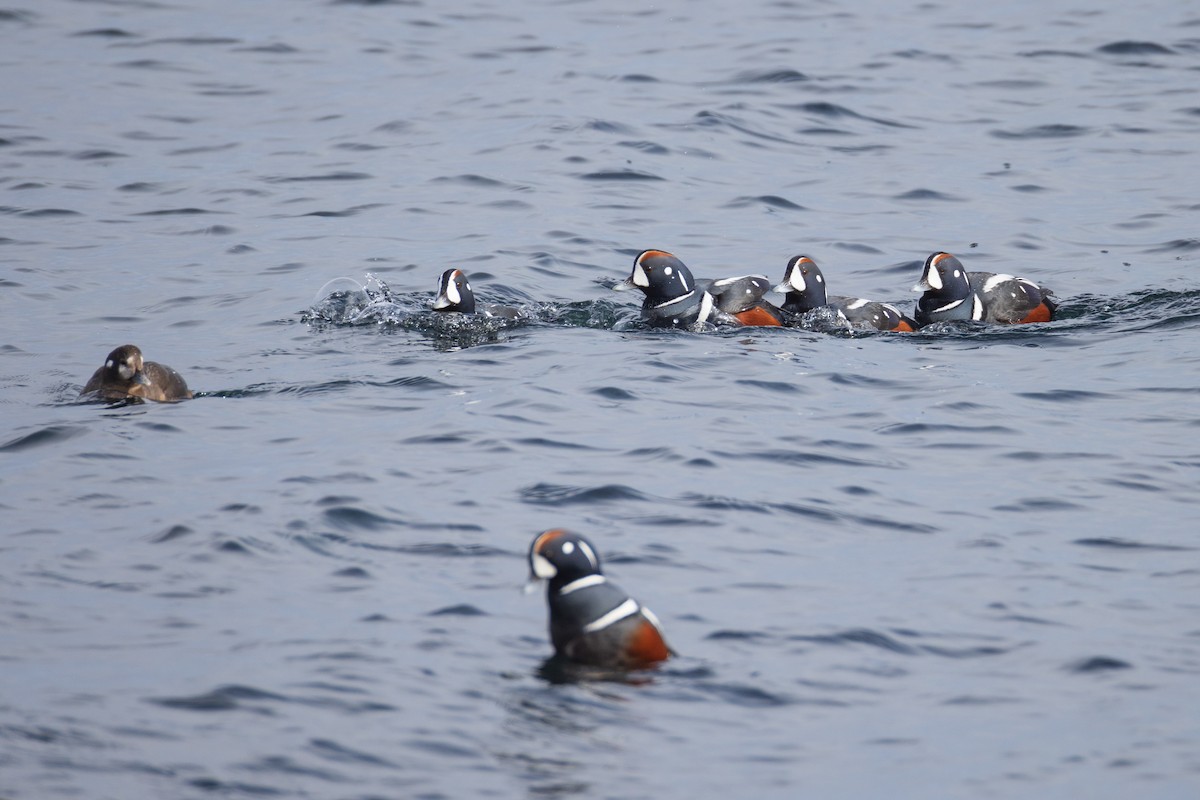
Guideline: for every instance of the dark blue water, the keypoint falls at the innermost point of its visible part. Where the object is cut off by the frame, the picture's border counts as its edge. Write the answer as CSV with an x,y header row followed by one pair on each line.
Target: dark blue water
x,y
957,563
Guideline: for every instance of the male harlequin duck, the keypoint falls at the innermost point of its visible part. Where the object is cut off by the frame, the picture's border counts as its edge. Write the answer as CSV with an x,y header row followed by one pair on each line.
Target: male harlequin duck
x,y
125,375
673,300
454,294
952,293
804,288
742,298
591,620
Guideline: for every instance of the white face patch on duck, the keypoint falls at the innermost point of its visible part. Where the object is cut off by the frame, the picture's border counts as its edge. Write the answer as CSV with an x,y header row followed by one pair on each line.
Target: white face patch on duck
x,y
452,293
639,277
542,567
795,279
126,371
933,277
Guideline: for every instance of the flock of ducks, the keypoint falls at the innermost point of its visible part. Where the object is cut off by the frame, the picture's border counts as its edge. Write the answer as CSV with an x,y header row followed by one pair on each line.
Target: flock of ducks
x,y
673,298
592,622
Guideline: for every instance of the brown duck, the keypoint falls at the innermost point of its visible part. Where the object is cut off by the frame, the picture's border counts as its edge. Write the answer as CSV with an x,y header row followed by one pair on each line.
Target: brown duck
x,y
125,374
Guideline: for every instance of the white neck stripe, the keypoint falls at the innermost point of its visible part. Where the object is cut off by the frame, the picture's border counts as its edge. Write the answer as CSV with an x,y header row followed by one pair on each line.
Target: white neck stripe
x,y
582,583
679,299
626,609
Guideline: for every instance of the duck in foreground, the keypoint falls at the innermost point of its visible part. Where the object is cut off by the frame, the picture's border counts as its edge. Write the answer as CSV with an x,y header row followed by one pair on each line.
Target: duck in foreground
x,y
126,374
804,289
454,294
952,293
592,621
674,300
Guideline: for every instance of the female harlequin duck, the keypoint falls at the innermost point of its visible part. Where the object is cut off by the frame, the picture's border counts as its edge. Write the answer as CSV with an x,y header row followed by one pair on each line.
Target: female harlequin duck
x,y
803,288
952,293
125,375
454,294
673,300
591,620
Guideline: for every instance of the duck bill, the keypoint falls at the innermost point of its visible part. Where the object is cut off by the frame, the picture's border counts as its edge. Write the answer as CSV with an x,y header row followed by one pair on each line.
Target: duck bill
x,y
140,378
531,585
625,285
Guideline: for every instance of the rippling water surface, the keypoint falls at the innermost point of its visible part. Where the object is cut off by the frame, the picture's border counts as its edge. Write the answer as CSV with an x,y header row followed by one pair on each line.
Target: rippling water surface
x,y
956,563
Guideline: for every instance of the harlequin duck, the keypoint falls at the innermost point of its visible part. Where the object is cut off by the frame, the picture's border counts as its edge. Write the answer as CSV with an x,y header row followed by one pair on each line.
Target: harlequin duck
x,y
952,293
804,288
742,298
592,621
454,294
674,300
125,375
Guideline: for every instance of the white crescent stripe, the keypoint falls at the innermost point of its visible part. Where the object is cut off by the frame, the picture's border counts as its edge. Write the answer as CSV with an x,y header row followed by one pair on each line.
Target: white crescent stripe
x,y
679,299
991,283
587,551
626,609
653,619
706,307
582,583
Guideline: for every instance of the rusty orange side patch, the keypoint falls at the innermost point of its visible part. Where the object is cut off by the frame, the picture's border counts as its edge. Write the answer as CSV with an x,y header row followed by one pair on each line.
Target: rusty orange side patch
x,y
646,645
758,316
1039,314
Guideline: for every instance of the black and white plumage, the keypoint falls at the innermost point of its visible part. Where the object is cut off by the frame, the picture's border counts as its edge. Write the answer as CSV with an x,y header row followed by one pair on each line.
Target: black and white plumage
x,y
951,293
804,290
674,298
592,621
671,297
454,294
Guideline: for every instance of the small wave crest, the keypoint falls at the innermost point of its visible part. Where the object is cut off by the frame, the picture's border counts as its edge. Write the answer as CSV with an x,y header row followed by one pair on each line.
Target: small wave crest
x,y
346,302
